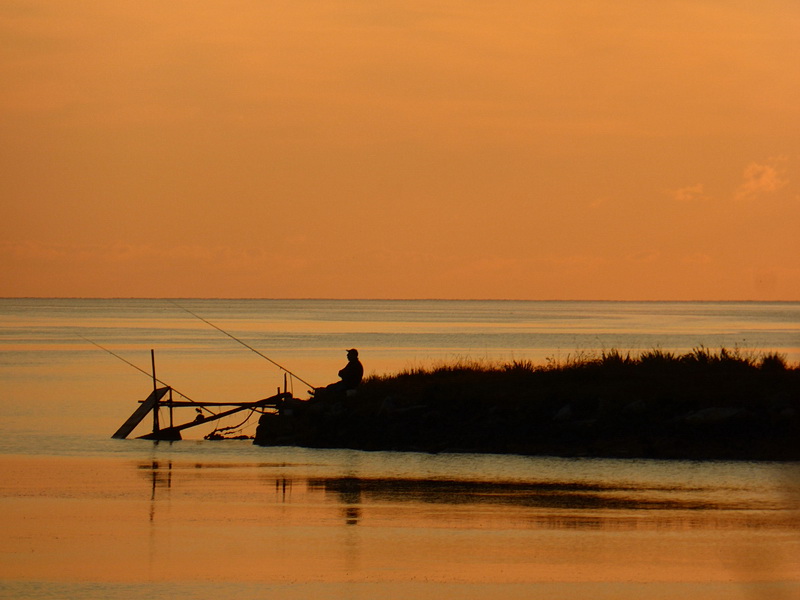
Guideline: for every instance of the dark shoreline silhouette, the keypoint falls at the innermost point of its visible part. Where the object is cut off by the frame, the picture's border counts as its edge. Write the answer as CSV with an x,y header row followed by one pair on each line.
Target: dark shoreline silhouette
x,y
699,406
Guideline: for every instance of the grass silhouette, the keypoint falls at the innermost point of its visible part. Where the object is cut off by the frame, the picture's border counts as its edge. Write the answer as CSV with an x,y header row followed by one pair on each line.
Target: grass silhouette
x,y
704,404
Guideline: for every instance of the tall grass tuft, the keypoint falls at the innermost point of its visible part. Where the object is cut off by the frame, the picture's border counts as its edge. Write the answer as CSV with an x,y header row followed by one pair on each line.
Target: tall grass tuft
x,y
773,361
657,357
614,358
608,359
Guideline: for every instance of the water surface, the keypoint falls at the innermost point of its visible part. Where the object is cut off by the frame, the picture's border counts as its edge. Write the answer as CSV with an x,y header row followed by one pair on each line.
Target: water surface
x,y
90,517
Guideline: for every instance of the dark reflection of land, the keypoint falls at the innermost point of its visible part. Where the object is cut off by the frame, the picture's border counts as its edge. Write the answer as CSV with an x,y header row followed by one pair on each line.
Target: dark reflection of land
x,y
548,504
561,505
573,495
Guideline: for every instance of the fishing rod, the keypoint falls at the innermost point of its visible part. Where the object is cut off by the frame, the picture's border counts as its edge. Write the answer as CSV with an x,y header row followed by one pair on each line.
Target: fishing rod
x,y
137,367
249,347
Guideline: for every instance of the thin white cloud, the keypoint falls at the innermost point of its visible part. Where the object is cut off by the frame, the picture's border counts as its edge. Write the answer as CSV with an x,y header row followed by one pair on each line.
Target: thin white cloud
x,y
691,193
759,180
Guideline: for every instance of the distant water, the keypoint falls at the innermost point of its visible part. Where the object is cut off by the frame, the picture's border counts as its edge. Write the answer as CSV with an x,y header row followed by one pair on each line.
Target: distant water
x,y
90,517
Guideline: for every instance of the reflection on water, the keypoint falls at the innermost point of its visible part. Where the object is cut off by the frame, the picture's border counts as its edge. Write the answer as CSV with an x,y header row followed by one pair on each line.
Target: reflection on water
x,y
335,519
632,501
564,505
347,491
368,517
160,477
577,495
160,474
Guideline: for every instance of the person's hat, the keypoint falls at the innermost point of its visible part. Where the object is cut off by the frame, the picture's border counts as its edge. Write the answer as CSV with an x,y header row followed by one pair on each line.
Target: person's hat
x,y
353,350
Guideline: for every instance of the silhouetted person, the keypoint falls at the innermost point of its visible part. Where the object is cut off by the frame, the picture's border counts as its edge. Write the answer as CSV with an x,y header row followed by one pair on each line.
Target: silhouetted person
x,y
353,371
350,376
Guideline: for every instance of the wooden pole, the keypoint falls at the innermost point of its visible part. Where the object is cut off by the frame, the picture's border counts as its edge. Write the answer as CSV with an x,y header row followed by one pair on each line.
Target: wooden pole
x,y
156,426
171,423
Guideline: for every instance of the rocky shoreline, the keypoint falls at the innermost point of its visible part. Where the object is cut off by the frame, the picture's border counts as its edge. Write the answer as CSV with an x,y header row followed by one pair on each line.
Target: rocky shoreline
x,y
697,406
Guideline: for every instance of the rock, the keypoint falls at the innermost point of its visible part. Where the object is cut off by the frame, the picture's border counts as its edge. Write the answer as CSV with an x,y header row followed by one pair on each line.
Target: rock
x,y
565,413
637,407
715,414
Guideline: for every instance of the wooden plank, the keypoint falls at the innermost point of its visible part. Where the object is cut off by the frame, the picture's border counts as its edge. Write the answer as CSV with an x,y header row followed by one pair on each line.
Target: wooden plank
x,y
140,413
199,403
173,433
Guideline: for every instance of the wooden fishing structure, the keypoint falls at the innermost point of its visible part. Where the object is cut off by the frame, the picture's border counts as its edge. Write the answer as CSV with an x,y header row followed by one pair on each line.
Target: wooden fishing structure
x,y
162,397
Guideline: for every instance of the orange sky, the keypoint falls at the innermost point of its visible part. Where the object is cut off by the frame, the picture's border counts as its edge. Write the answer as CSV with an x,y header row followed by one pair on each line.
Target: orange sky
x,y
505,149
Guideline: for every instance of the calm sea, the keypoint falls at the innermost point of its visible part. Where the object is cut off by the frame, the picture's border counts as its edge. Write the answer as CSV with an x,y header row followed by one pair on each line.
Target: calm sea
x,y
85,516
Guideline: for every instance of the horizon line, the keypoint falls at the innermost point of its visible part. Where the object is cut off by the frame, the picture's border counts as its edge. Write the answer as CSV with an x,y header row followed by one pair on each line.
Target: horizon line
x,y
364,299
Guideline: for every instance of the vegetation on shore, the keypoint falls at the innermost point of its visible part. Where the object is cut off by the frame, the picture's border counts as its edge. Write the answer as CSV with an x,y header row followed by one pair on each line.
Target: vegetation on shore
x,y
703,404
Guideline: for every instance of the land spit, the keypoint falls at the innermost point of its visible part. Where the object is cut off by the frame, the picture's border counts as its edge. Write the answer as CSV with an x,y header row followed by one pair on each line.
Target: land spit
x,y
702,405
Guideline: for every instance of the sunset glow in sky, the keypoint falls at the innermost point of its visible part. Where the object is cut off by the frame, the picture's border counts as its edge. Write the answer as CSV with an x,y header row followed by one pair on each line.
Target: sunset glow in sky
x,y
605,149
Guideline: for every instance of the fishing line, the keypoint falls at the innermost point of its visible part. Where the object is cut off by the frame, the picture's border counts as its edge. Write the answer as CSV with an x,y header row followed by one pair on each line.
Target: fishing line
x,y
234,427
138,368
284,369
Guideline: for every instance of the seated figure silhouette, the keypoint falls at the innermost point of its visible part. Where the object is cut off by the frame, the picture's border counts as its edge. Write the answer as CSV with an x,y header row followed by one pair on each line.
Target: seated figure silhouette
x,y
349,378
